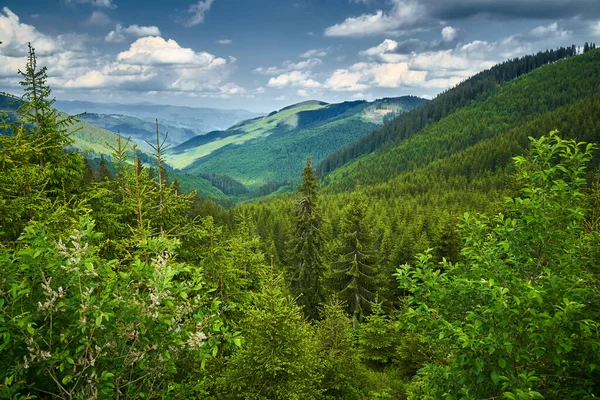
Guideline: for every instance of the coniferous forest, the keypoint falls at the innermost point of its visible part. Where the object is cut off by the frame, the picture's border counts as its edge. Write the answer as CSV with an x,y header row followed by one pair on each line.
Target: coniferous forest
x,y
453,253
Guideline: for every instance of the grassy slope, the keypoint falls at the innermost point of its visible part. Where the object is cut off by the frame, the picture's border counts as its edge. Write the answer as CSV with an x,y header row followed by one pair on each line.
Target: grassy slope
x,y
281,155
240,134
514,104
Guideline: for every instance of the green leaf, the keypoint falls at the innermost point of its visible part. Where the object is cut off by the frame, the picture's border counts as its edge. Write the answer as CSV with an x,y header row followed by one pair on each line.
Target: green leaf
x,y
502,362
495,377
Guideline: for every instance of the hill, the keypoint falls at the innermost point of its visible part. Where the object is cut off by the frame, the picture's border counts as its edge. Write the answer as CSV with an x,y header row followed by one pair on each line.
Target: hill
x,y
199,119
87,138
274,148
478,87
510,106
140,130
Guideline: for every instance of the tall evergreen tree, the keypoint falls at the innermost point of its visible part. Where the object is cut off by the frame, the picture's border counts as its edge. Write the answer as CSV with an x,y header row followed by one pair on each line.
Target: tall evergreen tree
x,y
306,244
355,266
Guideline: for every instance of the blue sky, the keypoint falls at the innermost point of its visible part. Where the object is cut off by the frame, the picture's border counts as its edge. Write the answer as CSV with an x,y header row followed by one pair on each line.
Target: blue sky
x,y
265,54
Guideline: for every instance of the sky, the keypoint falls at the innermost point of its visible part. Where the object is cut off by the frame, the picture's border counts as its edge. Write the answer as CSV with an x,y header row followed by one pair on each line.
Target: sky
x,y
262,55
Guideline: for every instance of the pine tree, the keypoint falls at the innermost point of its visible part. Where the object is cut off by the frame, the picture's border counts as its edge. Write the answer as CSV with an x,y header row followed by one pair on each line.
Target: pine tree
x,y
355,266
306,244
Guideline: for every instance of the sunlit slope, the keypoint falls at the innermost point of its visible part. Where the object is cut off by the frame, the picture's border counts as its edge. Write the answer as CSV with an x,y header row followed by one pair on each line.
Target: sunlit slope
x,y
275,148
512,105
185,154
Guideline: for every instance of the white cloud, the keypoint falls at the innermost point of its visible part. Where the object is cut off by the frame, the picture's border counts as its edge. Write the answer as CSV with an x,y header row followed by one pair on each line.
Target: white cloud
x,y
596,28
344,80
224,41
314,53
293,79
289,66
158,51
449,33
120,33
232,88
404,16
96,3
150,65
198,12
302,93
15,36
99,18
385,52
362,76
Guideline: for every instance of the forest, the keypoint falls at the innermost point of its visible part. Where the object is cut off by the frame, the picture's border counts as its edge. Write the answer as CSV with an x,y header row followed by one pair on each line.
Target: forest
x,y
458,261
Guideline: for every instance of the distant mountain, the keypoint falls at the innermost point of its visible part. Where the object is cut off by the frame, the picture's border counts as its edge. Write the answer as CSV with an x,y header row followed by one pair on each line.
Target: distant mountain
x,y
274,148
197,119
139,129
87,138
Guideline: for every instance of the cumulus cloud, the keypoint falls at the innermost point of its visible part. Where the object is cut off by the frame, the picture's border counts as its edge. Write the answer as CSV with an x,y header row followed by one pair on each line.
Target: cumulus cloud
x,y
224,41
198,12
120,33
150,65
15,36
154,50
448,34
294,79
314,53
404,16
99,18
361,76
596,28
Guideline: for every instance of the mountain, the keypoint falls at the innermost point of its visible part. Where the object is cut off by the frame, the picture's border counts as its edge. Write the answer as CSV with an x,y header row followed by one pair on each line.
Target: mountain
x,y
199,119
478,87
274,148
140,130
509,106
87,138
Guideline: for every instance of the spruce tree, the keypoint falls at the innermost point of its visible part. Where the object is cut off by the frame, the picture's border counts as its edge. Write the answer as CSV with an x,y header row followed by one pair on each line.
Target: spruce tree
x,y
306,244
355,266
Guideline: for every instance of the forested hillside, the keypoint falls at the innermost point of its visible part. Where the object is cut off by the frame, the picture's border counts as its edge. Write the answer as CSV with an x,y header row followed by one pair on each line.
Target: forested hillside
x,y
510,105
274,148
461,262
478,87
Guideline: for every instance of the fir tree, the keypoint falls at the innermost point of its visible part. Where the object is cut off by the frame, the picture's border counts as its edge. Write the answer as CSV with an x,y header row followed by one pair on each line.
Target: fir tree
x,y
355,265
306,244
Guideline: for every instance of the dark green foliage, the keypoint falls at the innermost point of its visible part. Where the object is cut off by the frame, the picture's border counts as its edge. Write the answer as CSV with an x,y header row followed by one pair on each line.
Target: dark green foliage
x,y
278,359
343,374
517,319
356,260
306,245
